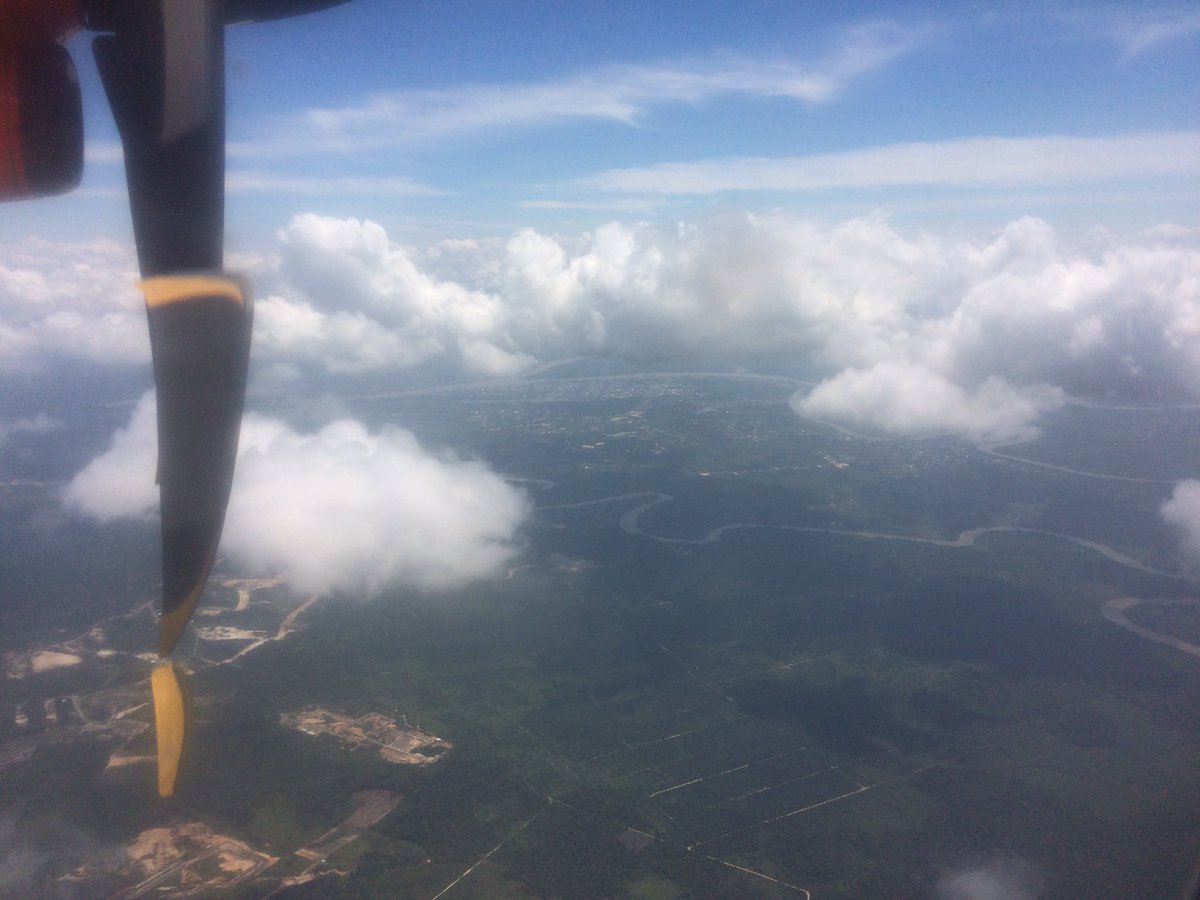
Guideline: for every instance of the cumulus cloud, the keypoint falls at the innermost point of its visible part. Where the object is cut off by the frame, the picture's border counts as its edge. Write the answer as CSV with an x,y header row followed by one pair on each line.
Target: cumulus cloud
x,y
74,301
1002,878
359,303
1182,512
345,508
341,509
910,333
910,399
119,484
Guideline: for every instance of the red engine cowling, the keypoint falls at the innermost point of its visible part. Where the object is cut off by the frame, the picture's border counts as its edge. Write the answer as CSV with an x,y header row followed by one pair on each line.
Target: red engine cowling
x,y
41,113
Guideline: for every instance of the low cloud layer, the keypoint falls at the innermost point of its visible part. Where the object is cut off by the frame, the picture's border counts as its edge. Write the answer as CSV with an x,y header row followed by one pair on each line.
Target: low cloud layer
x,y
356,302
33,856
343,509
119,484
348,508
905,333
1002,878
39,424
1182,512
906,398
75,301
913,333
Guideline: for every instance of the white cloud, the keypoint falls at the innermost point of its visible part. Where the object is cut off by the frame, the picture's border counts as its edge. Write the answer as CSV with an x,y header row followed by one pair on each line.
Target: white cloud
x,y
254,181
1136,29
119,484
1146,36
1002,878
1182,512
103,153
911,333
628,204
909,399
39,424
906,332
340,509
619,93
35,850
964,162
358,302
349,509
69,300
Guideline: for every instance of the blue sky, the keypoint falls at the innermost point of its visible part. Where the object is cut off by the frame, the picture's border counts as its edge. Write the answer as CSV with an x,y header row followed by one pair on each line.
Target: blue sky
x,y
455,119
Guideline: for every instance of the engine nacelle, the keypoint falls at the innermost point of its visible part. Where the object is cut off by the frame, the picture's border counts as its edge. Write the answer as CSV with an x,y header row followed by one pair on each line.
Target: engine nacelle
x,y
41,113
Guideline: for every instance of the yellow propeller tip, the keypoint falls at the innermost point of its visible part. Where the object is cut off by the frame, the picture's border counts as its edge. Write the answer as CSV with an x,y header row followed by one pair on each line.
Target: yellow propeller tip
x,y
169,723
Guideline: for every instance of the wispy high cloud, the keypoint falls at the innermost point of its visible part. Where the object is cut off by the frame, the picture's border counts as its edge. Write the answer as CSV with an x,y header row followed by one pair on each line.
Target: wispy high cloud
x,y
966,162
1136,29
618,93
1143,36
625,204
253,181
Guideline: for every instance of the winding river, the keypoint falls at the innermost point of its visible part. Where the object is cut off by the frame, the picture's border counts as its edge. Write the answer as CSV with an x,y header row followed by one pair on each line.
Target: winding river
x,y
1112,610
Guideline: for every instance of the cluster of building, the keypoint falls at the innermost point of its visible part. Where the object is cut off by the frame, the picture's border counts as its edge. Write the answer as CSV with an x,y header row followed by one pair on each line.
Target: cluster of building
x,y
397,743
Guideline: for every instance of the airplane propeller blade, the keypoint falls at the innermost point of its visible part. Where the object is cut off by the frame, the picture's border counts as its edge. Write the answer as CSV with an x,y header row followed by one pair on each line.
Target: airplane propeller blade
x,y
163,71
170,723
168,101
162,64
200,329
